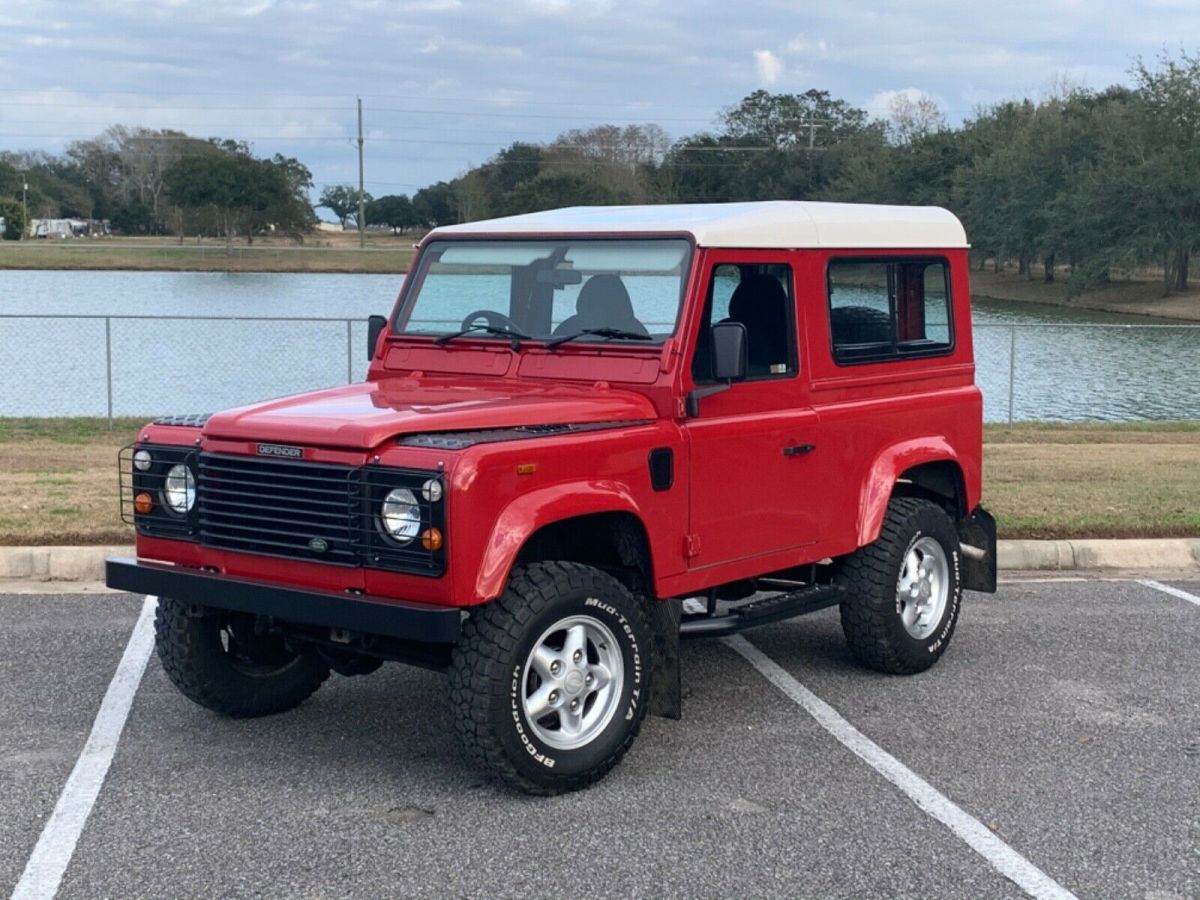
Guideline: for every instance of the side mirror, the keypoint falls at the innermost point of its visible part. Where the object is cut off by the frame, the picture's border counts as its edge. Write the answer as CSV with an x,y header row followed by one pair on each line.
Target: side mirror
x,y
375,326
729,341
729,353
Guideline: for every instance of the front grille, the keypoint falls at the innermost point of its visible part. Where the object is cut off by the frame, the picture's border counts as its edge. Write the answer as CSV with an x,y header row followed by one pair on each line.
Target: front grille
x,y
295,509
313,511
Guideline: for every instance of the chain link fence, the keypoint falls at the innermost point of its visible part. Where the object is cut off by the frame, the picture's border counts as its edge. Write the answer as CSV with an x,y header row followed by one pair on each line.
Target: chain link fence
x,y
110,366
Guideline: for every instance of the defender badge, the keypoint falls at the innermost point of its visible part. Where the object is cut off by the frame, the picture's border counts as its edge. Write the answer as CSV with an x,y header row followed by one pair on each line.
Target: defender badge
x,y
317,545
281,450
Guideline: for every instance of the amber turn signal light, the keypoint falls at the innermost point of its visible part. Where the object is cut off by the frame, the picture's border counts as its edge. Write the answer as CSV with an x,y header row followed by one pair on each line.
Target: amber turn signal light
x,y
431,539
143,503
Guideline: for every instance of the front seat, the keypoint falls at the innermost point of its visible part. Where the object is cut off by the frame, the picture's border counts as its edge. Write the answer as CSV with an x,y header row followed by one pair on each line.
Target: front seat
x,y
603,303
760,303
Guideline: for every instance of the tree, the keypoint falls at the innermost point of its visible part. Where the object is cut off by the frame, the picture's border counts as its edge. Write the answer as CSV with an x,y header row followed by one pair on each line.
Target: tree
x,y
811,119
286,210
238,188
435,205
1170,137
620,158
123,172
14,219
553,189
342,201
911,118
393,210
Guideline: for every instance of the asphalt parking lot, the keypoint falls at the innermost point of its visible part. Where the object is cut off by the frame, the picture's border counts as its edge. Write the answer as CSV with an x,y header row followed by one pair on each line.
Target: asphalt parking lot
x,y
1065,718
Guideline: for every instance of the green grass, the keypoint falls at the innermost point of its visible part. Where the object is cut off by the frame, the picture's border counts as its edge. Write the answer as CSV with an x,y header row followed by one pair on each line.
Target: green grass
x,y
58,480
69,431
132,255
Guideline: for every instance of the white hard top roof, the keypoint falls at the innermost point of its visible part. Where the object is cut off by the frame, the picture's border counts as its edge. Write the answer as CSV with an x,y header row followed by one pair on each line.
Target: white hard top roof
x,y
773,224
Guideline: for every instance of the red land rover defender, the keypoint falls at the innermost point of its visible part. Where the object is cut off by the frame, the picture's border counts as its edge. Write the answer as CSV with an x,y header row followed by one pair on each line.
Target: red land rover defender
x,y
572,422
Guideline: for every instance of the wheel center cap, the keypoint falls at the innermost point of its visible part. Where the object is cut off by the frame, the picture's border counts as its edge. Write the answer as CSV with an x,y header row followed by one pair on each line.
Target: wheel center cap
x,y
573,683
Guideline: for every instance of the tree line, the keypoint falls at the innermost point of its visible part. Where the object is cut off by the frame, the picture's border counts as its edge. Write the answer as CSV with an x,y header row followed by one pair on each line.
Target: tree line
x,y
1097,182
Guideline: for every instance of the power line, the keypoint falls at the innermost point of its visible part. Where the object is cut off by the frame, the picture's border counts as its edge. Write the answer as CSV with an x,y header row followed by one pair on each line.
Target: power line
x,y
435,142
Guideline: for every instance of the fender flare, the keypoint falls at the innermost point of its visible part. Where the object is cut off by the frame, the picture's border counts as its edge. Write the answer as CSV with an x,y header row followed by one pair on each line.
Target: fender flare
x,y
529,513
888,466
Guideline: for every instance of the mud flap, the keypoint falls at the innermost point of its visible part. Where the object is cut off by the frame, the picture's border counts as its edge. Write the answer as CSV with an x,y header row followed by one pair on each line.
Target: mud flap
x,y
977,533
666,677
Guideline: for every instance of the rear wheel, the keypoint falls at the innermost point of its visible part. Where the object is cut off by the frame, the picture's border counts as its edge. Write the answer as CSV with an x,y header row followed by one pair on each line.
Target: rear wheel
x,y
902,592
218,659
549,683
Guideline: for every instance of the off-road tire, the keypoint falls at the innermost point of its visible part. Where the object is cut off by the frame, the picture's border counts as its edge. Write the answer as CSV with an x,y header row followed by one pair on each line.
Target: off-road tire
x,y
189,645
871,610
487,672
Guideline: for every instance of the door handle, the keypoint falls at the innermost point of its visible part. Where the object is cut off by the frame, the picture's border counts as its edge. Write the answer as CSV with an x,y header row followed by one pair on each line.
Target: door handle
x,y
799,449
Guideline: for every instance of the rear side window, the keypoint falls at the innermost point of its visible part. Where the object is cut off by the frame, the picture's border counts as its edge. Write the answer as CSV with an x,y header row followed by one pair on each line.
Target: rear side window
x,y
881,309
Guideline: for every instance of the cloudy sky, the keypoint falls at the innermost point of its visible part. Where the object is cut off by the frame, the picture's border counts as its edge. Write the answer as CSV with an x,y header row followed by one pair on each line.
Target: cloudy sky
x,y
445,83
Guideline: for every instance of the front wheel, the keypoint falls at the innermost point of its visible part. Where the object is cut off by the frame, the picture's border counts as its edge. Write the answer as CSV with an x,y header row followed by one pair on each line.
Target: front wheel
x,y
903,592
220,660
549,683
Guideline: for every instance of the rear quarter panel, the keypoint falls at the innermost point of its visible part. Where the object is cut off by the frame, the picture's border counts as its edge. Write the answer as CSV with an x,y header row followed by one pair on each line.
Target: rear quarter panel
x,y
878,419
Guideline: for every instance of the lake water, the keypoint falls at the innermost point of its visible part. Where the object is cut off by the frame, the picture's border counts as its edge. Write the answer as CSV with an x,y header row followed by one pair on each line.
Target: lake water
x,y
1069,364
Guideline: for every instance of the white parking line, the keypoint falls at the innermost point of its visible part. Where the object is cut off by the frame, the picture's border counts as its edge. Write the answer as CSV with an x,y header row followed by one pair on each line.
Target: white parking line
x,y
1173,591
1003,858
46,867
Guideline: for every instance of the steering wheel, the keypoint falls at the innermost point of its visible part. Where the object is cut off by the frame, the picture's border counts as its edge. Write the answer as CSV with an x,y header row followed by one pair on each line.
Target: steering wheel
x,y
492,318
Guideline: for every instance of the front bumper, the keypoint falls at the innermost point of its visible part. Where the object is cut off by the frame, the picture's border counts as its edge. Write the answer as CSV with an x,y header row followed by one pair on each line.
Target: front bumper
x,y
349,612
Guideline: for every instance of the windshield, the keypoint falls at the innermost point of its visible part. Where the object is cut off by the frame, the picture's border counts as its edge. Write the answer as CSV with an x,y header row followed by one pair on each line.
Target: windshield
x,y
628,290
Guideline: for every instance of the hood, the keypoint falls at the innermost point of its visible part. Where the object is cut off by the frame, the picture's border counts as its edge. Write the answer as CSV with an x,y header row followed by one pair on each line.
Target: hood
x,y
362,416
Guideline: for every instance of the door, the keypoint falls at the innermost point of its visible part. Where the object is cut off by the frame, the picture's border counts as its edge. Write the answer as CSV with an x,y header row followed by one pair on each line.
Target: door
x,y
752,446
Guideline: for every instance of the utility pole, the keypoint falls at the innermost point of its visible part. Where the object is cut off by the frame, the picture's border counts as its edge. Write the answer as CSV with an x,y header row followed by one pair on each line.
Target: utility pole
x,y
362,224
24,207
812,131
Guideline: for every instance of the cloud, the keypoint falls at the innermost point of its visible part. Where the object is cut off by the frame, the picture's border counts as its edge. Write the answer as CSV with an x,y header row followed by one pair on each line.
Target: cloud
x,y
287,71
768,65
802,45
880,104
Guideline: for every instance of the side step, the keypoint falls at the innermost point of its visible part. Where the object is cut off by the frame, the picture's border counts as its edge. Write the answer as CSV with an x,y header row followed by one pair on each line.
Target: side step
x,y
775,608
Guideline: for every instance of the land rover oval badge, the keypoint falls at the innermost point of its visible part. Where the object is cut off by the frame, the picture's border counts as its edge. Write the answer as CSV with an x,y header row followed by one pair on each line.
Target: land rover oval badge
x,y
317,545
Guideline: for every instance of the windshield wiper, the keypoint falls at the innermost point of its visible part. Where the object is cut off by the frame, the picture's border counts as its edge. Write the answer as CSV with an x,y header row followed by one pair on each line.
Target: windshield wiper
x,y
489,329
608,333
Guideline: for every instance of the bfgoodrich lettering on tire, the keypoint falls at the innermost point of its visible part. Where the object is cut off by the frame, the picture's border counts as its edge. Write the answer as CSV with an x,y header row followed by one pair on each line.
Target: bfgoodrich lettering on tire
x,y
550,682
902,592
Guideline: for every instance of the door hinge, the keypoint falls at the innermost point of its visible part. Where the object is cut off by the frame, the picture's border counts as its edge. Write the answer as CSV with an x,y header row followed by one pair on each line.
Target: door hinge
x,y
691,546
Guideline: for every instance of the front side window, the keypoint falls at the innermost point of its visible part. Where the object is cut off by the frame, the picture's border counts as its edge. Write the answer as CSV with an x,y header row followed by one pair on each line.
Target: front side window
x,y
889,309
600,290
760,297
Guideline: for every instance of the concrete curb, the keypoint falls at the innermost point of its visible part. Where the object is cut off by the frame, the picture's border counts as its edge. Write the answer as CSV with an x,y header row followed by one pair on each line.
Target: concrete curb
x,y
57,563
1091,554
87,563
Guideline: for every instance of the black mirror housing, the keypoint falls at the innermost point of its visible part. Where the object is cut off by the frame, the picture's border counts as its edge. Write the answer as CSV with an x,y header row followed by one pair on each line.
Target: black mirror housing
x,y
375,326
559,278
729,341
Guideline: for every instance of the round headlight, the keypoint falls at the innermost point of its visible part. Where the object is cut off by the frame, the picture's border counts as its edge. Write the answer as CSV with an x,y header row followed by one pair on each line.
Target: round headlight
x,y
179,489
401,516
142,460
432,490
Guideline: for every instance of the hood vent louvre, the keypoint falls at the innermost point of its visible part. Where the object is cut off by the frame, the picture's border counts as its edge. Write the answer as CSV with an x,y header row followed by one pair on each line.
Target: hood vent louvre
x,y
461,440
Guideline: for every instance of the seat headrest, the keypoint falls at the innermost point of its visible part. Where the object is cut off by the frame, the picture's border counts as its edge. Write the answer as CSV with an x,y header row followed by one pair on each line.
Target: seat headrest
x,y
606,295
756,297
